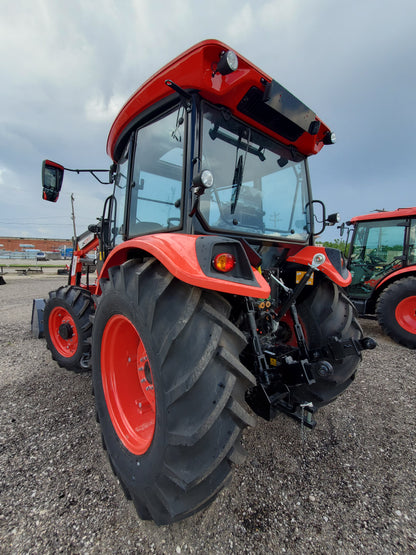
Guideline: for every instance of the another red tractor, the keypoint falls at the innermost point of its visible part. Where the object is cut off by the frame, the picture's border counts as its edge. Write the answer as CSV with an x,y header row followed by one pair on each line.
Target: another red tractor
x,y
382,260
210,296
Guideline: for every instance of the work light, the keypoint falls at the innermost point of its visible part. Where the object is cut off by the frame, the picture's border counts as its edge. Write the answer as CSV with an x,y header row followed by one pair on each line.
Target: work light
x,y
228,62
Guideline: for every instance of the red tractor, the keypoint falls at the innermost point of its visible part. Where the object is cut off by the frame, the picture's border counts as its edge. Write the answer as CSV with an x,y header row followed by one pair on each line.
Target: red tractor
x,y
211,300
382,260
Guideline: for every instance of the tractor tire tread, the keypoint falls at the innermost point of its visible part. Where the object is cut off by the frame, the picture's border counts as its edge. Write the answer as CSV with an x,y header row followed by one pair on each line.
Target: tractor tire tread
x,y
385,310
204,383
79,303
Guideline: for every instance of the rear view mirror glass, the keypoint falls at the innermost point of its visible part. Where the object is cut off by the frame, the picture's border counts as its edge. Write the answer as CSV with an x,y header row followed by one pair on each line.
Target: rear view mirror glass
x,y
52,177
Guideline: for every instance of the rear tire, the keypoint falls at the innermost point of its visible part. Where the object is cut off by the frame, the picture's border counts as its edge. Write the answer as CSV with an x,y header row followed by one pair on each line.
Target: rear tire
x,y
67,325
169,389
326,312
396,311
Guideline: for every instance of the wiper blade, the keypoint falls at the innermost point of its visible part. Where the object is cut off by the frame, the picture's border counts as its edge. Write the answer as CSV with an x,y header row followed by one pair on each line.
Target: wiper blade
x,y
237,182
239,169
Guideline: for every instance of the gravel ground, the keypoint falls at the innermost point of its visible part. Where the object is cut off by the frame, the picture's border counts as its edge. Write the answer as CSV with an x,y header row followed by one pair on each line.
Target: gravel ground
x,y
348,486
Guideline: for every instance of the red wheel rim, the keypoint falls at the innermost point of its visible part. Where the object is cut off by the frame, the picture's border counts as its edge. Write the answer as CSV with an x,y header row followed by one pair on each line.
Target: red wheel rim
x,y
66,346
128,384
406,314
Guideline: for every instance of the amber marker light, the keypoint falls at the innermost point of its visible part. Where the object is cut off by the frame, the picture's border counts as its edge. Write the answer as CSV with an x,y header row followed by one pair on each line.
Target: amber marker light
x,y
224,262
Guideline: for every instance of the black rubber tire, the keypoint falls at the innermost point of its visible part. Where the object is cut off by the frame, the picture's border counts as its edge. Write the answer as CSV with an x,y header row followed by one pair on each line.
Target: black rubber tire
x,y
199,383
386,310
77,302
325,311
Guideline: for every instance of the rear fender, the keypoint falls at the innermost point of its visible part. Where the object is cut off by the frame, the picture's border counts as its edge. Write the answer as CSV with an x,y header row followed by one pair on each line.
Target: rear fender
x,y
408,271
188,258
334,266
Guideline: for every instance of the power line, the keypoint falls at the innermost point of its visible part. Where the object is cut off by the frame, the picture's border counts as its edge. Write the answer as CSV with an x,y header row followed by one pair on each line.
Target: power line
x,y
23,218
26,222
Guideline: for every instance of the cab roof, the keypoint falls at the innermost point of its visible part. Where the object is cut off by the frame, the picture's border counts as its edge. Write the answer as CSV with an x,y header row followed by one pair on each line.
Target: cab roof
x,y
249,93
385,215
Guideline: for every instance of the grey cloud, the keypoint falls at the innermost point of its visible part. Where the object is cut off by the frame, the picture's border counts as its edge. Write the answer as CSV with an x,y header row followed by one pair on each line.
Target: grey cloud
x,y
353,63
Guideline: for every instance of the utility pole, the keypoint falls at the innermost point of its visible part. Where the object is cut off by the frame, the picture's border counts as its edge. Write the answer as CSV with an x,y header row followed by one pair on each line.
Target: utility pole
x,y
74,240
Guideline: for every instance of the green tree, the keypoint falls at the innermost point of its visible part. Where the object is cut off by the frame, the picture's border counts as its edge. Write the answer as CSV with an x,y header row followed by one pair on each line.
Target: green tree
x,y
336,244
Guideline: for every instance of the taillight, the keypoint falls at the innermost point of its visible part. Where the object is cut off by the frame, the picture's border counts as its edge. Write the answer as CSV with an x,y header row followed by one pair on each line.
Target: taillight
x,y
224,262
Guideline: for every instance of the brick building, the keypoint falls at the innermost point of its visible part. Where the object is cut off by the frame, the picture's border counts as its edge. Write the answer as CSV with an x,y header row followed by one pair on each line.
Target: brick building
x,y
21,244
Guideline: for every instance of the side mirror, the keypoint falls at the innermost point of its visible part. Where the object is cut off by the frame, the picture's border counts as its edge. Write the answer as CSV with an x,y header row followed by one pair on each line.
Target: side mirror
x,y
342,229
323,219
52,177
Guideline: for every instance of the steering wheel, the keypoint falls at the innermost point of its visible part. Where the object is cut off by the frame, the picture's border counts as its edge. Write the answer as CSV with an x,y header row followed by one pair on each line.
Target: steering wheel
x,y
375,258
171,220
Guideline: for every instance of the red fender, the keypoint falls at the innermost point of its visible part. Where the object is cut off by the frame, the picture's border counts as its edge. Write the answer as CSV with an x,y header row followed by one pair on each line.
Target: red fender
x,y
177,252
407,270
333,258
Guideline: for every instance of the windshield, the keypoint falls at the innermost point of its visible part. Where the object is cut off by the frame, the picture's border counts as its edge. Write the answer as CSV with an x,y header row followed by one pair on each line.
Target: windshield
x,y
379,240
259,187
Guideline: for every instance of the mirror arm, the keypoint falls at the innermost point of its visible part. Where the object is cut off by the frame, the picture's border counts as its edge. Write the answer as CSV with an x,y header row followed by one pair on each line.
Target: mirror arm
x,y
92,172
98,179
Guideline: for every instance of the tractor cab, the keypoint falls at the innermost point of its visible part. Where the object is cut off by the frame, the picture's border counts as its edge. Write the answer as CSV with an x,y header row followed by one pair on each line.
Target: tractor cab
x,y
223,151
239,183
382,252
381,244
220,149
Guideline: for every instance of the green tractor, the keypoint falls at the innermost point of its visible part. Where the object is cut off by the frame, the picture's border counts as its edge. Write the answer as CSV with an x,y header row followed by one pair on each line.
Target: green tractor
x,y
210,302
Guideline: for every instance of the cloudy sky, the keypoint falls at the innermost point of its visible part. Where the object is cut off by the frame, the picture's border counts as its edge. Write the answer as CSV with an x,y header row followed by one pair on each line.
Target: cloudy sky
x,y
68,66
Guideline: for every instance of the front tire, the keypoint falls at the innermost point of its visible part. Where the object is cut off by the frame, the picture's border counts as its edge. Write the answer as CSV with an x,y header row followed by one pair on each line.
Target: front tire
x,y
169,389
66,318
396,311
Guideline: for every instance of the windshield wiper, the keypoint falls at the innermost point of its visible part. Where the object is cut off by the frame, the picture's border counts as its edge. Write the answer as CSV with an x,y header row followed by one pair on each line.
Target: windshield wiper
x,y
239,169
237,182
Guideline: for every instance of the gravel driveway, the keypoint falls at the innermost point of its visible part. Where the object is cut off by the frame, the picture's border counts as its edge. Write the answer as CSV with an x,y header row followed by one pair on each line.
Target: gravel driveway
x,y
349,486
